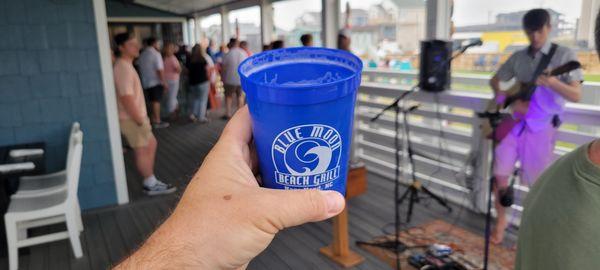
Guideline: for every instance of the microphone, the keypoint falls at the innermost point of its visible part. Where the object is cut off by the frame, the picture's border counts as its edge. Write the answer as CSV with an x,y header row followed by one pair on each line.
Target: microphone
x,y
413,107
478,42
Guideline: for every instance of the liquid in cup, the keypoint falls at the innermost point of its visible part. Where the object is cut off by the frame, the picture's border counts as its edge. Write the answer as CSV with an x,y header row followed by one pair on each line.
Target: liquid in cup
x,y
301,102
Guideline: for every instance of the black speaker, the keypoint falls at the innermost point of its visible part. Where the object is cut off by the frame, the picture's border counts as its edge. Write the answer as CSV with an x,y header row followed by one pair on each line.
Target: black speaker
x,y
434,71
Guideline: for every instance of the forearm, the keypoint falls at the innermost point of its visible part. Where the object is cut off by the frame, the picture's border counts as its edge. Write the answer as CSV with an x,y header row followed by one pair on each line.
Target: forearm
x,y
132,110
495,85
167,248
569,91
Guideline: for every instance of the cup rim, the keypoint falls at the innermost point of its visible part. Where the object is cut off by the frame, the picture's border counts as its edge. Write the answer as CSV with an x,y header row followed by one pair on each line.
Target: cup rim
x,y
301,86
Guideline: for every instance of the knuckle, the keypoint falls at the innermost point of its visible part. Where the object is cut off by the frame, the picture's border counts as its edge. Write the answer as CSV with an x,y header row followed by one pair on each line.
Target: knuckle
x,y
316,202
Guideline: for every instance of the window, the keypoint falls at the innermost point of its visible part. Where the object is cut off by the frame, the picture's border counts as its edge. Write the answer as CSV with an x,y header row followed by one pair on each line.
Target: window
x,y
245,24
294,18
385,33
211,27
499,25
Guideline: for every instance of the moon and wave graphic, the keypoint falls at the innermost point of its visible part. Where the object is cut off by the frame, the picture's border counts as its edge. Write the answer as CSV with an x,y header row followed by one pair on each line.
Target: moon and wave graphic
x,y
308,157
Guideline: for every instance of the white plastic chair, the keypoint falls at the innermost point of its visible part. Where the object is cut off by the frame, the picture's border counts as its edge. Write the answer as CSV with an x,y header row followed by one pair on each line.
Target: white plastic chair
x,y
62,206
38,185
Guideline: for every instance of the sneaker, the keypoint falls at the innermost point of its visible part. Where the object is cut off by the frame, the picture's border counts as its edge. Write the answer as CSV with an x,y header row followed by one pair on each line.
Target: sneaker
x,y
159,188
203,121
160,125
225,117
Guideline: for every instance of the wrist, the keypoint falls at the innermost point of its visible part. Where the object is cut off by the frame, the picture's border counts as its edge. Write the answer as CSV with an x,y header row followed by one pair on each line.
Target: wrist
x,y
553,83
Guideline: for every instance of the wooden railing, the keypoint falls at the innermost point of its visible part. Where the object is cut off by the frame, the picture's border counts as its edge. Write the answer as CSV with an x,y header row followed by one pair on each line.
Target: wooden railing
x,y
454,158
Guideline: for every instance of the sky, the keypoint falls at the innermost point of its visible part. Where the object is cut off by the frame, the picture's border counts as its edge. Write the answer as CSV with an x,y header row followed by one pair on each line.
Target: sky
x,y
466,12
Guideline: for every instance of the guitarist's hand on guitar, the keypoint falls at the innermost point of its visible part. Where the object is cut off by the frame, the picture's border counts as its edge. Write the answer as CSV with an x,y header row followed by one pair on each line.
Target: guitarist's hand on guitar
x,y
570,91
499,97
547,81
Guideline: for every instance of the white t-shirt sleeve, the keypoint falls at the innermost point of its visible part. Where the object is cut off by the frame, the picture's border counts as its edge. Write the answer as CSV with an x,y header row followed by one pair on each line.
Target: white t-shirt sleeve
x,y
158,61
243,56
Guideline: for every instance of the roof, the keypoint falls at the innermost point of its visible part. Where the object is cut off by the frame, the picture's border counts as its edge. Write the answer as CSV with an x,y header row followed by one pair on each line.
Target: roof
x,y
119,8
508,21
409,3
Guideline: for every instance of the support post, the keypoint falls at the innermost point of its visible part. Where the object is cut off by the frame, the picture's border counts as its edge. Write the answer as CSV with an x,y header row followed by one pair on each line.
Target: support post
x,y
184,32
439,19
225,26
193,38
330,22
339,250
198,28
110,102
266,21
483,170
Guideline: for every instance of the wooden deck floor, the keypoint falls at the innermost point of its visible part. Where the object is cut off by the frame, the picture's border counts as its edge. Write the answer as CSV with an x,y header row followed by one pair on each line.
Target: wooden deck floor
x,y
112,233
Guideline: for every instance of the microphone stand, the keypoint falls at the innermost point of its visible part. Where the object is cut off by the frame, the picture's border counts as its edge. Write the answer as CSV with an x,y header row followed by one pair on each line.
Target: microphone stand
x,y
494,119
396,106
415,186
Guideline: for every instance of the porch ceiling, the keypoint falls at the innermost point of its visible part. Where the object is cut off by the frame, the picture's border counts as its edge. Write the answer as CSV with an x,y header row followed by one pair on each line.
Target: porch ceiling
x,y
196,7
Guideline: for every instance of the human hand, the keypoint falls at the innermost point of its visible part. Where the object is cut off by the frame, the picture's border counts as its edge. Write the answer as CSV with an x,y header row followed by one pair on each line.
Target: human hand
x,y
224,219
547,81
499,98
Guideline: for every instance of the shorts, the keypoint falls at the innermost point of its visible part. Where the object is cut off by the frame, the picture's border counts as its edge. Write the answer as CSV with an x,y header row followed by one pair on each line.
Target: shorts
x,y
232,89
136,135
535,150
155,93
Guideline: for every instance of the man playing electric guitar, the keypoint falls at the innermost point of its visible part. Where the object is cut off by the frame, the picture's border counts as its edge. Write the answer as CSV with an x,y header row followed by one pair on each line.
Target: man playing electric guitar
x,y
532,139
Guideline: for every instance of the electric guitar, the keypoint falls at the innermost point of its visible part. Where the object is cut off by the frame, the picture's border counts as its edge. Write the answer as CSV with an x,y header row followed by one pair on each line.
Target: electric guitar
x,y
524,91
518,96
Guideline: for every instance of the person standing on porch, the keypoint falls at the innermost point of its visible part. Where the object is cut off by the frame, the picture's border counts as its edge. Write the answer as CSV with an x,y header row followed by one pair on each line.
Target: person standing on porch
x,y
231,78
133,118
151,69
172,72
198,84
533,138
306,40
343,40
244,46
213,101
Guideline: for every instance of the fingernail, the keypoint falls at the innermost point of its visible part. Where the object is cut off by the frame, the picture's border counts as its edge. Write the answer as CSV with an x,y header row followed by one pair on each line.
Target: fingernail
x,y
335,201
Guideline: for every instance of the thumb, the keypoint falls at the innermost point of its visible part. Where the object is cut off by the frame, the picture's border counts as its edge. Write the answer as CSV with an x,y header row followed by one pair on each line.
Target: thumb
x,y
290,208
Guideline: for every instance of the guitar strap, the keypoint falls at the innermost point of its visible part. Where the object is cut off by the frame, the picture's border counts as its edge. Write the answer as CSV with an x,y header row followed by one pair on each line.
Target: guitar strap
x,y
542,65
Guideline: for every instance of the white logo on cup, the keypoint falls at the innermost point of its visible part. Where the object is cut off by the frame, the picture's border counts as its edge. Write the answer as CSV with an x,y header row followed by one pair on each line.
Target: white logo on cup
x,y
307,156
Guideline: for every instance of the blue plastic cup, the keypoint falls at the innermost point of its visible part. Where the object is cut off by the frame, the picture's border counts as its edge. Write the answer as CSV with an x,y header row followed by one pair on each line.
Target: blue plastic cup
x,y
301,103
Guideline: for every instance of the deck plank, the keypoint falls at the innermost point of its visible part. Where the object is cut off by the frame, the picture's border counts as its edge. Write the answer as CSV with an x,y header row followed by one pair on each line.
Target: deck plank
x,y
59,255
97,245
110,232
127,227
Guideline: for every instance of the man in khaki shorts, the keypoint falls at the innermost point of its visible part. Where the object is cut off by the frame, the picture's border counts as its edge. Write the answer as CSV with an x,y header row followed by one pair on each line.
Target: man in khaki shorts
x,y
133,117
231,78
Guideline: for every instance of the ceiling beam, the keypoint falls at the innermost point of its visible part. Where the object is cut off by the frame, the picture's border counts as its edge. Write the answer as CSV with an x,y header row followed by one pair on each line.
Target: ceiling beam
x,y
230,5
